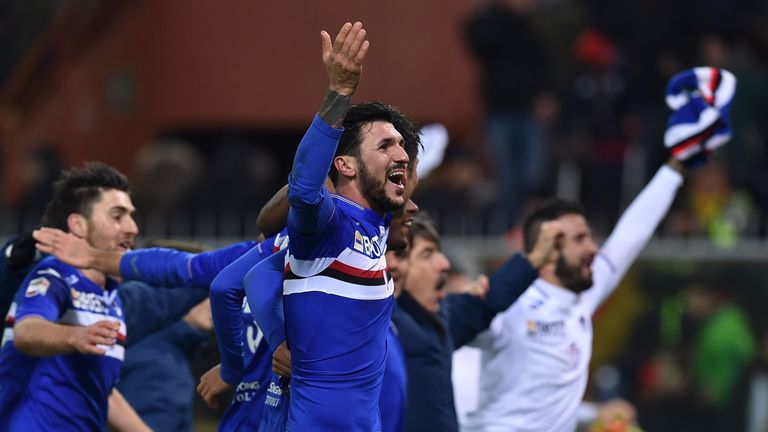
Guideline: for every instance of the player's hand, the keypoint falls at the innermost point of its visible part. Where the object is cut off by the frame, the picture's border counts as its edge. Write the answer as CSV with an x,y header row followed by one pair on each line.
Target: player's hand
x,y
211,385
64,246
21,252
281,361
547,244
616,410
343,58
700,99
86,340
479,286
199,317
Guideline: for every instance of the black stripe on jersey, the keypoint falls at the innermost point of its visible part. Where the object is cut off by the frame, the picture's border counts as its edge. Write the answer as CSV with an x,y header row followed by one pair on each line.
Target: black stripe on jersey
x,y
344,277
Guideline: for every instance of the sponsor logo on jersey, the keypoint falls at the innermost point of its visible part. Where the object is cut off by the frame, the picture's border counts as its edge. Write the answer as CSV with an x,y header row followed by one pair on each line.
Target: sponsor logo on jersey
x,y
545,329
366,245
90,302
37,286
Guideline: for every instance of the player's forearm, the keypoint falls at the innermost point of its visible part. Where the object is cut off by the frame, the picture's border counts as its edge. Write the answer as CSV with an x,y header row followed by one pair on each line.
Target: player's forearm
x,y
509,282
676,165
638,223
38,337
334,107
158,267
264,290
314,157
274,215
310,205
122,417
107,261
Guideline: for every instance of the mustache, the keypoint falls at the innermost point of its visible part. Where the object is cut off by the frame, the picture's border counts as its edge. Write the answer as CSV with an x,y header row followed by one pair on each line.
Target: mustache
x,y
398,165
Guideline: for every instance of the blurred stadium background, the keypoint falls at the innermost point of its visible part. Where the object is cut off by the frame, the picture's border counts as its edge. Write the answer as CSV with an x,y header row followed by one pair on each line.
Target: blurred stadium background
x,y
202,104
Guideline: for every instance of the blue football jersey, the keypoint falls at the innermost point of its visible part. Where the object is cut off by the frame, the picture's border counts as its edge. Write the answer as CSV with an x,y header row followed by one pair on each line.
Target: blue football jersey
x,y
69,391
338,304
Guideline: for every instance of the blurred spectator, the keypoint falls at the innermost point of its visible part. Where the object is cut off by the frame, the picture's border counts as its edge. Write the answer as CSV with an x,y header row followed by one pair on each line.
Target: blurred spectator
x,y
240,177
747,409
714,208
600,125
41,169
165,172
518,93
725,344
459,179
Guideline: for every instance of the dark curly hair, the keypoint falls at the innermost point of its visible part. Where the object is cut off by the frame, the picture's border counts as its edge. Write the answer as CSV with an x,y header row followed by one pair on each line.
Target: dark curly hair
x,y
365,113
78,189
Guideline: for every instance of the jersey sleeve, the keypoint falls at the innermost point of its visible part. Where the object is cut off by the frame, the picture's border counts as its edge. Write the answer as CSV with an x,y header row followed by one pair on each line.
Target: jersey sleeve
x,y
311,205
172,268
43,294
148,309
227,295
264,289
509,282
633,231
468,315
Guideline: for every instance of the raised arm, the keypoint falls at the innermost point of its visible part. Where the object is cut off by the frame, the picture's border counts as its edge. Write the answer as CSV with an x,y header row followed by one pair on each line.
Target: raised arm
x,y
227,294
634,230
470,315
311,207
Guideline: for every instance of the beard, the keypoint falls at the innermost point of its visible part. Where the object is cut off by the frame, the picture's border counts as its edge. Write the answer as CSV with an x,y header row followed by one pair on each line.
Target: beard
x,y
374,191
570,276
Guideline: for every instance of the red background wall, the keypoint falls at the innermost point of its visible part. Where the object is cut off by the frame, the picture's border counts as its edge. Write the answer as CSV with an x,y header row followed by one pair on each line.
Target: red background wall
x,y
235,63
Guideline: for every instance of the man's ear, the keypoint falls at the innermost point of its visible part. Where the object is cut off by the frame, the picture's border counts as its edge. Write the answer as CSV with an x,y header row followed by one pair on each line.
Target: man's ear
x,y
77,225
346,166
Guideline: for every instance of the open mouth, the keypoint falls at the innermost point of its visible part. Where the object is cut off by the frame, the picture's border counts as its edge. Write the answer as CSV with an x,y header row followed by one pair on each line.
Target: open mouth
x,y
127,245
397,177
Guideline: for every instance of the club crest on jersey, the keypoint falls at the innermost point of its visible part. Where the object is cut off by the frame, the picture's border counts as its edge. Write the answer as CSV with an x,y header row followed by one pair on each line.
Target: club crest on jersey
x,y
37,286
366,245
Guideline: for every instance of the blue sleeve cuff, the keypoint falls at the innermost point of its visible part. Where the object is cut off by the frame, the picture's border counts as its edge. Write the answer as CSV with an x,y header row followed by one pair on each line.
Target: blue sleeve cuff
x,y
509,282
325,129
231,377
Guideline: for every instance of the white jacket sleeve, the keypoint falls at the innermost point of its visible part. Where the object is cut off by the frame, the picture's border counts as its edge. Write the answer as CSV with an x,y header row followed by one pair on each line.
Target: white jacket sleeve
x,y
632,233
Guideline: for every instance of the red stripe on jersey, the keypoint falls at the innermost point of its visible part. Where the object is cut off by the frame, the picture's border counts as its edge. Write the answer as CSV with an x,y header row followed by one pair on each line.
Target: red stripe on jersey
x,y
120,338
714,83
354,271
9,321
